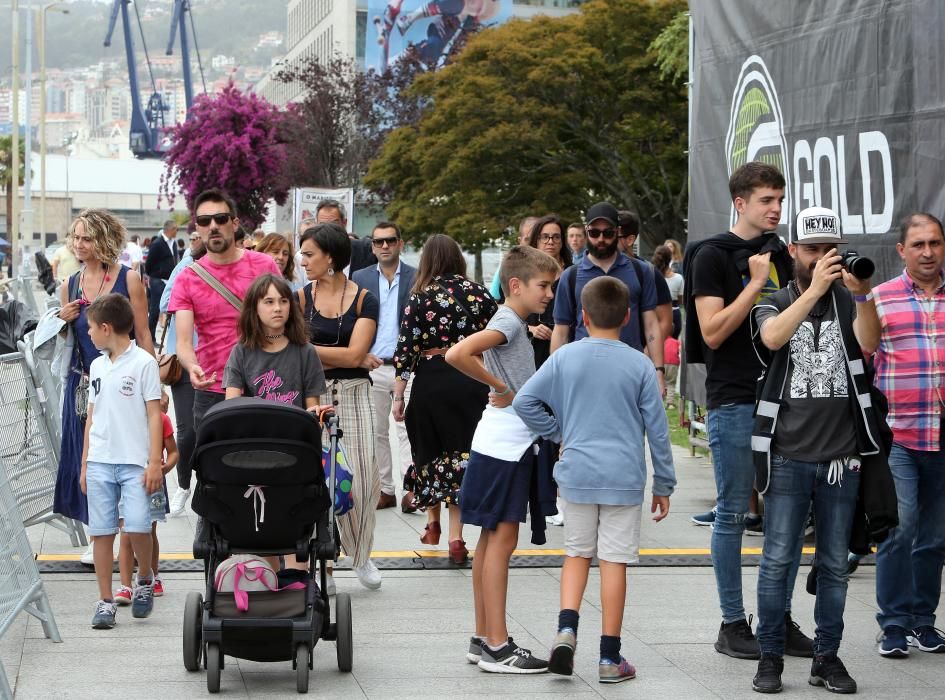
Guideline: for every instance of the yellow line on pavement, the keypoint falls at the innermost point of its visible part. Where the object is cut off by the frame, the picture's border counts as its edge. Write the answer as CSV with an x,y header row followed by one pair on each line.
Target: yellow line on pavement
x,y
442,553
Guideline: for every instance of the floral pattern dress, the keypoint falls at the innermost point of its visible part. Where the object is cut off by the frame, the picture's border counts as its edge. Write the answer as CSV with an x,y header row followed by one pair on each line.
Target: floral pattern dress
x,y
445,405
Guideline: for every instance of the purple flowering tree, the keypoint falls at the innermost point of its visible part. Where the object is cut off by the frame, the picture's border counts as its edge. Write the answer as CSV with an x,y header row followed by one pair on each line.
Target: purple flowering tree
x,y
238,142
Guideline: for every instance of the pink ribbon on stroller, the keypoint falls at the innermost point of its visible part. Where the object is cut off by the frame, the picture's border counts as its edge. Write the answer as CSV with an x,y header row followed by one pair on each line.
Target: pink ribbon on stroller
x,y
242,597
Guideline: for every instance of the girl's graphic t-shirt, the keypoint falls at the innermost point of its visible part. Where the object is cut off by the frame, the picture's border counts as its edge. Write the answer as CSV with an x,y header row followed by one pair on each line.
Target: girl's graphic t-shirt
x,y
288,376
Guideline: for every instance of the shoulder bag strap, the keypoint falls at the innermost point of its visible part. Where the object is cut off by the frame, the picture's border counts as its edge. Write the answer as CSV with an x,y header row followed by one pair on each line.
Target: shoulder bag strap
x,y
462,304
363,293
204,274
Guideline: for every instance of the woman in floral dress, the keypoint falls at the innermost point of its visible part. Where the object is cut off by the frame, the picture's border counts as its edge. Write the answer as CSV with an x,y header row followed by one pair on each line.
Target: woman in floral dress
x,y
445,405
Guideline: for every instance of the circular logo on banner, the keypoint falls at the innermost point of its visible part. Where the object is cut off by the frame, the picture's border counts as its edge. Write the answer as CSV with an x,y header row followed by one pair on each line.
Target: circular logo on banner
x,y
756,127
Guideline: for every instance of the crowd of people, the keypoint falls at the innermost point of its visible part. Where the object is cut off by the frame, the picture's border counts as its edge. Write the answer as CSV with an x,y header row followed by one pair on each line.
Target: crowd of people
x,y
537,397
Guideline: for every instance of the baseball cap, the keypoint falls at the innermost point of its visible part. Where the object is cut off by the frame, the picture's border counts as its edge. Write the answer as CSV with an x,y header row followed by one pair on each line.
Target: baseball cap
x,y
816,225
603,210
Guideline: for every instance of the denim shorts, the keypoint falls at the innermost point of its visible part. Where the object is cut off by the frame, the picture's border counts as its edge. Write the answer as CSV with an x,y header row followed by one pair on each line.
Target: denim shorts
x,y
106,485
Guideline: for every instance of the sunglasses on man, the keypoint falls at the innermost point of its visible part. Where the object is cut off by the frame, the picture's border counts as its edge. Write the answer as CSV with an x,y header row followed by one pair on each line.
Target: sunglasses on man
x,y
381,242
219,219
608,233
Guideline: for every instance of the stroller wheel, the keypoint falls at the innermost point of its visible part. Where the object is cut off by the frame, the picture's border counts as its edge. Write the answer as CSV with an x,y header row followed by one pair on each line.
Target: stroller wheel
x,y
343,639
302,659
214,666
193,631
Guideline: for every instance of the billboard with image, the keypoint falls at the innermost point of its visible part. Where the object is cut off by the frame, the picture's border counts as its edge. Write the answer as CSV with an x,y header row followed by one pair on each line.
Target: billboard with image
x,y
434,29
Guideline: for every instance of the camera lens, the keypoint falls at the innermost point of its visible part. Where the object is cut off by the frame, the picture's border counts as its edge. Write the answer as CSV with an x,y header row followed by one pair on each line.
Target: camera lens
x,y
858,266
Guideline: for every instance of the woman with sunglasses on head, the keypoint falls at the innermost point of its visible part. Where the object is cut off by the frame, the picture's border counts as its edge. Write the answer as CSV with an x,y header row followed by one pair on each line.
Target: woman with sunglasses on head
x,y
98,238
548,236
445,405
342,319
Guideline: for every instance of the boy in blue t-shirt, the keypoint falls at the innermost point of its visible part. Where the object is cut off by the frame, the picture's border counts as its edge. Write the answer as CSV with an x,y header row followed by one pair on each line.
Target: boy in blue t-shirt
x,y
603,398
123,451
495,489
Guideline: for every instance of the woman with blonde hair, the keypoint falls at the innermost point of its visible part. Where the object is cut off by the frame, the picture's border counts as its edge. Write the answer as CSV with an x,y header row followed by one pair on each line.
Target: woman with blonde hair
x,y
278,247
98,238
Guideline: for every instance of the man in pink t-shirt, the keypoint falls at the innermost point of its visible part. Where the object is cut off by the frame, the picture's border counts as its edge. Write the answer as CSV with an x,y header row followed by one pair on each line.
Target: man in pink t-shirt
x,y
198,306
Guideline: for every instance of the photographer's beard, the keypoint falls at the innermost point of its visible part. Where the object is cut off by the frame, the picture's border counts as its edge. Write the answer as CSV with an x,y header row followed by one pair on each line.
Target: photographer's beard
x,y
803,274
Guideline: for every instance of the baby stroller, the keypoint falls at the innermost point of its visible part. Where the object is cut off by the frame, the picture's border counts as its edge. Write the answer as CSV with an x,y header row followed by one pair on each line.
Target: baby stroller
x,y
261,490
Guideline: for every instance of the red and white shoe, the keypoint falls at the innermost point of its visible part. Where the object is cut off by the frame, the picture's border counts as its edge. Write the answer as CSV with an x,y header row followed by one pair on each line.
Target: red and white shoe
x,y
158,587
122,596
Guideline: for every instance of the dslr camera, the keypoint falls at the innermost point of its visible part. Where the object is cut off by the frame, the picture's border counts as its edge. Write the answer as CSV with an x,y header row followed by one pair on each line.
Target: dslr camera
x,y
857,265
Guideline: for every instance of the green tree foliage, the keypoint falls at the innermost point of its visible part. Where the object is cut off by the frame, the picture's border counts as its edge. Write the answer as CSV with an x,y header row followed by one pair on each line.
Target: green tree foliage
x,y
544,115
9,183
671,48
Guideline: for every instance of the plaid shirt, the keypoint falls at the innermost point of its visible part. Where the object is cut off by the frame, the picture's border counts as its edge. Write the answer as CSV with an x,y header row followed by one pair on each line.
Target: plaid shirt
x,y
910,361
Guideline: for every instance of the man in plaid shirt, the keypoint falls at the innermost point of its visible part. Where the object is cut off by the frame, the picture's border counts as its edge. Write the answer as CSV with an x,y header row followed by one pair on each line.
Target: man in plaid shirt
x,y
910,371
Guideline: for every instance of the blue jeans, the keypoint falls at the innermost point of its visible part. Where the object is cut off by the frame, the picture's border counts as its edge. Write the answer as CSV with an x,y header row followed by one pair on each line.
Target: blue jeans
x,y
909,562
729,429
792,487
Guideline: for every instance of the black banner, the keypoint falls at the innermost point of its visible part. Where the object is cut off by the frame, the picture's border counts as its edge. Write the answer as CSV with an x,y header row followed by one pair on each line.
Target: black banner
x,y
846,97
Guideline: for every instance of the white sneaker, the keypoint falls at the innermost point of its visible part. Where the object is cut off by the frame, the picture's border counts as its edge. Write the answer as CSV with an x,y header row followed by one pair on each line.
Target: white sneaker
x,y
368,575
179,501
87,557
556,520
330,586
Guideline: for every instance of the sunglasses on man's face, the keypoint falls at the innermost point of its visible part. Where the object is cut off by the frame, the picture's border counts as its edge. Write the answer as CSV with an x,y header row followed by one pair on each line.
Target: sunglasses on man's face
x,y
381,242
219,219
607,233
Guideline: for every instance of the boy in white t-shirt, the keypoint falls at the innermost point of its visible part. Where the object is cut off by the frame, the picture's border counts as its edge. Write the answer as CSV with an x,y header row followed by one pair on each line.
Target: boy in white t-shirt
x,y
121,458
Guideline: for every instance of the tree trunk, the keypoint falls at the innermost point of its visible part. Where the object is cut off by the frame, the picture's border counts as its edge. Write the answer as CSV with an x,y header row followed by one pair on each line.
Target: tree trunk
x,y
477,265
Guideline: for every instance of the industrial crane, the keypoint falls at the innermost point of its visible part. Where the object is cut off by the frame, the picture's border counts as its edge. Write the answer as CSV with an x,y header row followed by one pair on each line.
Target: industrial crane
x,y
146,135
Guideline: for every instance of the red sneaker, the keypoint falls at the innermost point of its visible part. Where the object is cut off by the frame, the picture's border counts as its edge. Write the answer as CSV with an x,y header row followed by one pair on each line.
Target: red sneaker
x,y
158,587
122,596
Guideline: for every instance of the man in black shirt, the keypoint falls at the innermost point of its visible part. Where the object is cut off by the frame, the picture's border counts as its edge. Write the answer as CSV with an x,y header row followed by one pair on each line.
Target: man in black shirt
x,y
730,273
808,438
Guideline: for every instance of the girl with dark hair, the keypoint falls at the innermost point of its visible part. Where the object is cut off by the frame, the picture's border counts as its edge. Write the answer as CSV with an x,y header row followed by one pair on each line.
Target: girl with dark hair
x,y
663,262
547,236
274,359
342,319
445,405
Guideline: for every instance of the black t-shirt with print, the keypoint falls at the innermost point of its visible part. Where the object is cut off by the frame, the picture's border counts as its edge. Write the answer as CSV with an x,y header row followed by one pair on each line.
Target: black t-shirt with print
x,y
815,423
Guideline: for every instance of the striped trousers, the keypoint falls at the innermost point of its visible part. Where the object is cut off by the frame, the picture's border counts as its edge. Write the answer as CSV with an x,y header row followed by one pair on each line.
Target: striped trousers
x,y
354,406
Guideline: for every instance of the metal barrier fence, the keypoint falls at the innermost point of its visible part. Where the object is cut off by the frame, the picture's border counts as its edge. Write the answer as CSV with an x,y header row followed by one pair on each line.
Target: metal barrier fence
x,y
26,450
21,588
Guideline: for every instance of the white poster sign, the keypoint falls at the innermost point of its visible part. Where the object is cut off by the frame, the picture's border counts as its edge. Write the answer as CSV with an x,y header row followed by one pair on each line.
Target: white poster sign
x,y
307,199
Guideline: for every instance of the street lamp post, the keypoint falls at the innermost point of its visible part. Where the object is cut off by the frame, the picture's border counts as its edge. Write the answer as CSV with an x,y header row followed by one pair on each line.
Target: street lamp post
x,y
42,106
13,226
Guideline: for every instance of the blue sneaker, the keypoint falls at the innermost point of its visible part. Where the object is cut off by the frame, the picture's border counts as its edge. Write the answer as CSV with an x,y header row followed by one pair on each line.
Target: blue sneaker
x,y
142,603
104,617
892,642
609,672
754,526
927,638
704,518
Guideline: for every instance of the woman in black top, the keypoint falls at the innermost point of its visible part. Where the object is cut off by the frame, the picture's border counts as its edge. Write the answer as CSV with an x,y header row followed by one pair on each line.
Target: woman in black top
x,y
342,319
548,236
445,404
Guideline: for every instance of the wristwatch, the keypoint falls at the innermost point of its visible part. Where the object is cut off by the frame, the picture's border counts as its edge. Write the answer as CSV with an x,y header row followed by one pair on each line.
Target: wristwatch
x,y
661,369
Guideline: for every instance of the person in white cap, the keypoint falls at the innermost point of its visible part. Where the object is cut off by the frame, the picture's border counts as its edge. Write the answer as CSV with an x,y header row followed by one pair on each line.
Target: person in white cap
x,y
814,427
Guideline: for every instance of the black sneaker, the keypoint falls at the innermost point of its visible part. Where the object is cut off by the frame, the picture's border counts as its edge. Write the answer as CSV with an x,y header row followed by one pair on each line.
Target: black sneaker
x,y
738,641
511,659
830,672
796,643
768,678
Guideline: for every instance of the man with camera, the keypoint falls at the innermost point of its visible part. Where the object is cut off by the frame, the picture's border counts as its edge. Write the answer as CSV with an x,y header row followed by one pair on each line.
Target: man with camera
x,y
813,424
910,361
